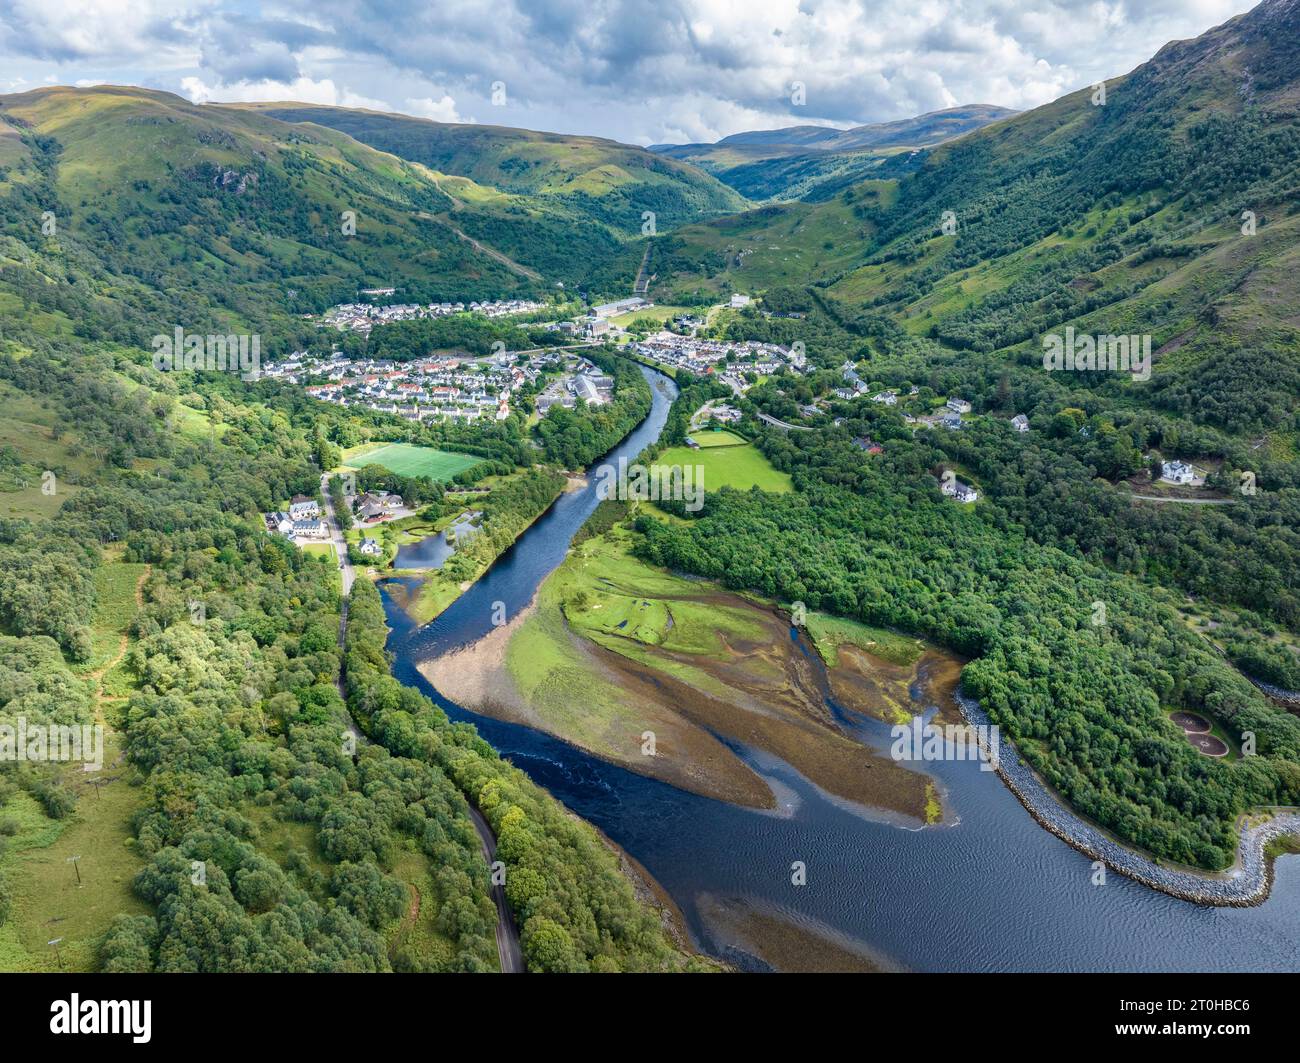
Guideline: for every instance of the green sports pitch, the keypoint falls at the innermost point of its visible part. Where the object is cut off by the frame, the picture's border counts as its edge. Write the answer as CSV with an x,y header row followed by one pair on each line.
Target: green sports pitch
x,y
717,437
405,459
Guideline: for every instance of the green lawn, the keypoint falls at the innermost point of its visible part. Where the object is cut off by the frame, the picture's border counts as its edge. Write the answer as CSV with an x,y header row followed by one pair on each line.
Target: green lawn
x,y
406,459
707,437
741,467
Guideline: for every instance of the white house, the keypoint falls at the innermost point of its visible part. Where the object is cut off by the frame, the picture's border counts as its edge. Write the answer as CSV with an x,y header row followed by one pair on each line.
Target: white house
x,y
738,301
959,405
1020,423
279,522
887,397
371,547
1176,472
310,529
302,507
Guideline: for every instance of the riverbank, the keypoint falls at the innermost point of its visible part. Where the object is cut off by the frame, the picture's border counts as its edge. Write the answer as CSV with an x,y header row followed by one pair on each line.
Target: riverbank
x,y
677,678
1288,699
1025,902
512,509
1246,884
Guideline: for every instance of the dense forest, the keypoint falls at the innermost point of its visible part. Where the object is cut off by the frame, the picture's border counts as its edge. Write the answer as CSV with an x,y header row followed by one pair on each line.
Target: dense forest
x,y
1085,703
234,733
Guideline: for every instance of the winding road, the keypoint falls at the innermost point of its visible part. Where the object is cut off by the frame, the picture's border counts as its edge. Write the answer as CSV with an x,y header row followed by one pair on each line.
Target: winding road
x,y
509,951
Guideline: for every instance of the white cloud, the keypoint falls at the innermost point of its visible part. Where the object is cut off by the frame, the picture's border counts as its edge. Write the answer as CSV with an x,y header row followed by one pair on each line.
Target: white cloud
x,y
300,90
443,110
674,69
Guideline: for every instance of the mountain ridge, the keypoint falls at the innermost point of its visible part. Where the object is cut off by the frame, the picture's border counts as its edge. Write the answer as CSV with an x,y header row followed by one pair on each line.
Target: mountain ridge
x,y
813,162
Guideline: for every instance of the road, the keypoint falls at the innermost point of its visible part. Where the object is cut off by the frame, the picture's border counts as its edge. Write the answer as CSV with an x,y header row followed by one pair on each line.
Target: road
x,y
346,572
348,575
509,951
1188,501
783,425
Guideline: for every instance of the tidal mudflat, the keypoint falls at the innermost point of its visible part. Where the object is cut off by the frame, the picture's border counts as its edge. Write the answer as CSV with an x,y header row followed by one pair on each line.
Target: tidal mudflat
x,y
675,678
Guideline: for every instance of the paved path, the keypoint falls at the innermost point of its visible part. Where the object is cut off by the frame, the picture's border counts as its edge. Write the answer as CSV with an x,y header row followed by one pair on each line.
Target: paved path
x,y
783,425
509,951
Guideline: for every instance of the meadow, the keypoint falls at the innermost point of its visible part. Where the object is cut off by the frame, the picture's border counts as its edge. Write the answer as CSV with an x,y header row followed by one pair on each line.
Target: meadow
x,y
406,459
709,437
741,467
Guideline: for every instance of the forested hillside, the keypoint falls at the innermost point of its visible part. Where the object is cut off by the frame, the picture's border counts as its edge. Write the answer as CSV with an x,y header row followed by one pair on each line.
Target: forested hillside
x,y
232,216
814,163
1164,209
238,823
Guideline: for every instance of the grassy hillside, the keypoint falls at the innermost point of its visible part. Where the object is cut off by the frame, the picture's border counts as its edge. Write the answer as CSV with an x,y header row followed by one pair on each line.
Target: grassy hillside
x,y
611,182
1121,218
122,204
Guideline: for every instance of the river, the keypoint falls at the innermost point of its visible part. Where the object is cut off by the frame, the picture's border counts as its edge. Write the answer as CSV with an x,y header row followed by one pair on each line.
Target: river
x,y
992,892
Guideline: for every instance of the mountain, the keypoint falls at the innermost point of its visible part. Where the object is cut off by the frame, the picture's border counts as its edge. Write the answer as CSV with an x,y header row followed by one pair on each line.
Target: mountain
x,y
813,162
599,178
164,211
1125,216
1160,219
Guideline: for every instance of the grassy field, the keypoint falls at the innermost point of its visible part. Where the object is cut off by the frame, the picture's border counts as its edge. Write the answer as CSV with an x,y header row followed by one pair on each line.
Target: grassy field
x,y
115,585
605,594
652,313
741,467
406,459
707,437
48,900
829,633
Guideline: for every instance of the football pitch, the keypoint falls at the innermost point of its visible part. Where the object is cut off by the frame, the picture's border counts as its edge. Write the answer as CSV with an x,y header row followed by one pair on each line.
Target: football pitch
x,y
406,459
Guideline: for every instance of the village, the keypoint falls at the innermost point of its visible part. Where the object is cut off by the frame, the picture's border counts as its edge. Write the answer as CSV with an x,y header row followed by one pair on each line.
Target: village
x,y
446,388
735,364
362,317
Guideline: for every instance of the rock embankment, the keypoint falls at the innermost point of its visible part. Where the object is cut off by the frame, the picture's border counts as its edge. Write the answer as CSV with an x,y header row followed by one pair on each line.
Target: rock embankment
x,y
1246,884
1290,698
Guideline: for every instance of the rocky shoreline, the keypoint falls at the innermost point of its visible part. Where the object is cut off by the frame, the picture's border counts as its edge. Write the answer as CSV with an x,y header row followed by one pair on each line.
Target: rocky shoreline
x,y
1246,884
1290,698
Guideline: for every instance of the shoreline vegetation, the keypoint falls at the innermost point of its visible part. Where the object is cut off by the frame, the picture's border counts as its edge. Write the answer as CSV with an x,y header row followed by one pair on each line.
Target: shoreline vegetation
x,y
1262,836
691,664
571,441
576,908
509,511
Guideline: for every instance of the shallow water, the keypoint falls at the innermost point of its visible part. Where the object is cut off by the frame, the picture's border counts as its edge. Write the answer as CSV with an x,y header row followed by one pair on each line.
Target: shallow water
x,y
993,891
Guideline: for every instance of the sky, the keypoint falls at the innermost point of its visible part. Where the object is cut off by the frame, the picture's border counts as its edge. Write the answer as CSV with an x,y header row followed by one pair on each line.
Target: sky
x,y
639,71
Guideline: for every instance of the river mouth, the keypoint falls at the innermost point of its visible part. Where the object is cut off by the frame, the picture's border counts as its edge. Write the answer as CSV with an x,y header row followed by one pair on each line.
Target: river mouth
x,y
990,890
